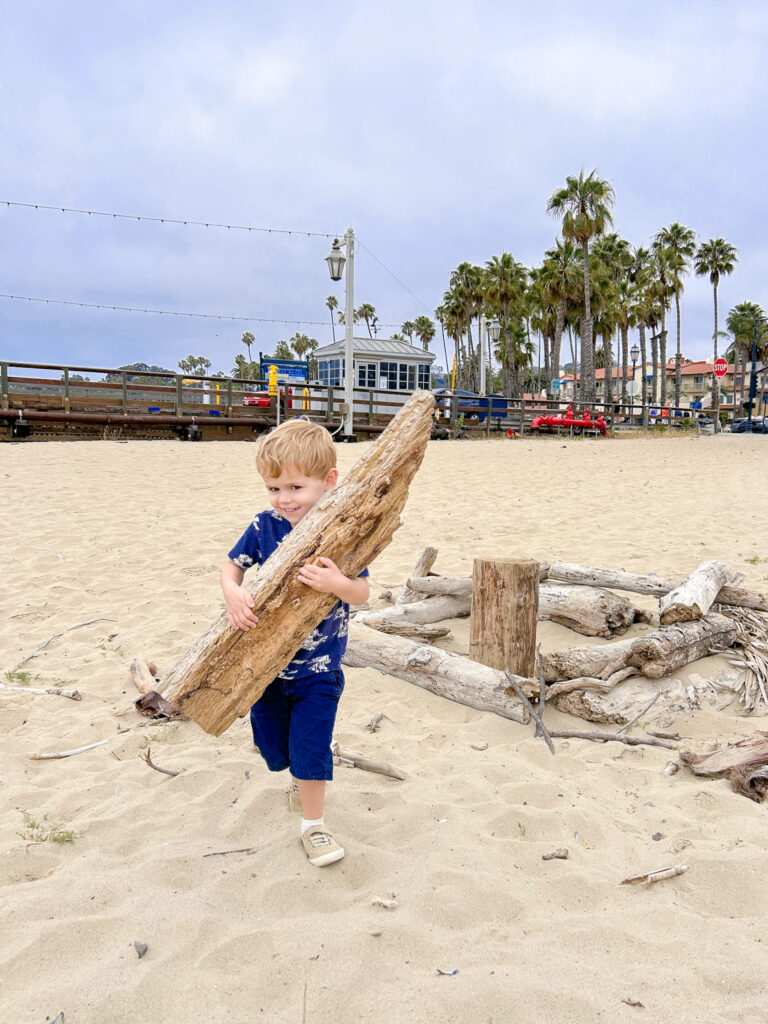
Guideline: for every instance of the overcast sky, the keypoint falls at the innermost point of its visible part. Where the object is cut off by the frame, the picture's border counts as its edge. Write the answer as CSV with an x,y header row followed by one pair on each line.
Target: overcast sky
x,y
437,130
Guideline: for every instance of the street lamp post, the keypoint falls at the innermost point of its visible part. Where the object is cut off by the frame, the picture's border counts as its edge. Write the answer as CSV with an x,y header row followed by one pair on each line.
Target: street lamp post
x,y
634,353
336,261
753,375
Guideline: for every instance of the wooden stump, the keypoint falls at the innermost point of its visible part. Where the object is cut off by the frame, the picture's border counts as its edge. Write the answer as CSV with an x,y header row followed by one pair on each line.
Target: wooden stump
x,y
505,600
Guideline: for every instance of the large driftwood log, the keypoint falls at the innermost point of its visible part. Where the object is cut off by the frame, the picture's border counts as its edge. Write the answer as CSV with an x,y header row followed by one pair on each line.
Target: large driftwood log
x,y
745,763
696,595
586,610
617,579
441,672
408,594
622,702
505,599
226,670
655,655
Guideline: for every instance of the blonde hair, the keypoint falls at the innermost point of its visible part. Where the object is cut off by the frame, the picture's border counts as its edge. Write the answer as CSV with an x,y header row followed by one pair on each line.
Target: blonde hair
x,y
305,446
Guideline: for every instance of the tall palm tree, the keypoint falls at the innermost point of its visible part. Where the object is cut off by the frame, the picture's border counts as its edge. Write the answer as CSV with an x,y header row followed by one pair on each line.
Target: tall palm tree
x,y
642,309
440,314
465,287
741,323
503,285
332,303
664,262
613,256
368,313
717,258
302,343
408,328
248,340
424,329
680,241
585,206
559,278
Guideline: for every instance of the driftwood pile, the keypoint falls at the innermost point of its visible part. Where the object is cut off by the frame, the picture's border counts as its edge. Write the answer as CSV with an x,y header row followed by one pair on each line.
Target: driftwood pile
x,y
616,682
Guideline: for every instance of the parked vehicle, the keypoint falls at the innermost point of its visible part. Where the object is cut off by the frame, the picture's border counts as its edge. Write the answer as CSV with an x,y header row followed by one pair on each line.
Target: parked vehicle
x,y
758,426
261,398
473,406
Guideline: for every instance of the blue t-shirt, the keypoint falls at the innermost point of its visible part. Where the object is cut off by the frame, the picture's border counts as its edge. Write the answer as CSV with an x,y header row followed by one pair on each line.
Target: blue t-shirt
x,y
324,648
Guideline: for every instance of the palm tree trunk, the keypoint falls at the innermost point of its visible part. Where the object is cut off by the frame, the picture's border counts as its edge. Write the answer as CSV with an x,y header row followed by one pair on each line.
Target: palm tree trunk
x,y
445,349
608,360
663,361
643,375
678,351
558,338
587,339
333,328
654,360
624,362
470,352
715,381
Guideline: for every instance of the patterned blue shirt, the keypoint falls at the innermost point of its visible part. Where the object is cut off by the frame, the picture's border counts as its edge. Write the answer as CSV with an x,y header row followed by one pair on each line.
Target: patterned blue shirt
x,y
324,648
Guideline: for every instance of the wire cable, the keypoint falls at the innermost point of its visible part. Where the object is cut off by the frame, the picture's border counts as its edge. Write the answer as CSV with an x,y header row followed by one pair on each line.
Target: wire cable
x,y
188,222
396,278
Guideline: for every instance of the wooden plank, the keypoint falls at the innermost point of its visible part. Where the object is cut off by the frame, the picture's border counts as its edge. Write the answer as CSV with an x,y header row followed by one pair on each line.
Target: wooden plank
x,y
505,600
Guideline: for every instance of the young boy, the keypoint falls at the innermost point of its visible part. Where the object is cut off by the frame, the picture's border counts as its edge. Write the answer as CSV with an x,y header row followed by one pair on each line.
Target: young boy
x,y
293,719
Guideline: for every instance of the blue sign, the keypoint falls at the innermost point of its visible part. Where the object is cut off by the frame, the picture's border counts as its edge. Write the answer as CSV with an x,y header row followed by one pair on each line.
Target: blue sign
x,y
695,405
289,371
556,384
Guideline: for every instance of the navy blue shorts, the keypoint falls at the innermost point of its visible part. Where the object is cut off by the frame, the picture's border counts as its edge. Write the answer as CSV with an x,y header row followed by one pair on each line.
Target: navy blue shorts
x,y
293,723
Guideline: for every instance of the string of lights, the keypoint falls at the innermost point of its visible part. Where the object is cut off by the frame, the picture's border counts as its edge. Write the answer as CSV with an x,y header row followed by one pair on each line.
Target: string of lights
x,y
187,222
170,312
162,312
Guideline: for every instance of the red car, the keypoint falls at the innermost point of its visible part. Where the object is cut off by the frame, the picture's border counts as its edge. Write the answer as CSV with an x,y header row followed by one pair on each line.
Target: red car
x,y
261,399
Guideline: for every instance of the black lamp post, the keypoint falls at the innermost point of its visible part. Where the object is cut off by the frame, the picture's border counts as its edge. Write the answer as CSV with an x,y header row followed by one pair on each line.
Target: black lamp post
x,y
753,375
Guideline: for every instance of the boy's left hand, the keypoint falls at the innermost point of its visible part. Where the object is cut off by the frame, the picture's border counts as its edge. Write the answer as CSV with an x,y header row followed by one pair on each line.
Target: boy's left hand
x,y
326,577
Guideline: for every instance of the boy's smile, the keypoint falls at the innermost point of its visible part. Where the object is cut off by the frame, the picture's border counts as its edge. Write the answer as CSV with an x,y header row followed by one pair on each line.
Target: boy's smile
x,y
293,494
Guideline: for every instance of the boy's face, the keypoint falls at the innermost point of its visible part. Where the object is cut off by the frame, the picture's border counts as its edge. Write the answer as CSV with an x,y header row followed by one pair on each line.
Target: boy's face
x,y
293,494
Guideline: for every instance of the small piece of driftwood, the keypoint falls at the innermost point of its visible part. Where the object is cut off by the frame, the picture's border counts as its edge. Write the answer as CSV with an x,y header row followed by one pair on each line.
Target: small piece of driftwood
x,y
56,691
226,853
556,855
412,631
148,759
358,760
375,723
143,676
606,737
655,876
381,901
56,636
531,711
422,568
68,753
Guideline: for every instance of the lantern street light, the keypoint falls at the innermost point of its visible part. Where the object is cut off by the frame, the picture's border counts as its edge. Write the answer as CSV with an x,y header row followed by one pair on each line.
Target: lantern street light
x,y
634,353
336,261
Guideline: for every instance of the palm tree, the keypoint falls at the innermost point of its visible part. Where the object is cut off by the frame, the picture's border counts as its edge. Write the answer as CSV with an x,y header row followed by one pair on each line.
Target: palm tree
x,y
366,312
302,343
440,313
424,329
408,328
642,310
585,206
716,258
559,279
248,340
465,287
741,323
680,241
665,261
503,283
332,302
613,255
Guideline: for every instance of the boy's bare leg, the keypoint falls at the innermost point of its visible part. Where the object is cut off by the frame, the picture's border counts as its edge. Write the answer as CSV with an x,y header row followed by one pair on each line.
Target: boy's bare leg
x,y
312,792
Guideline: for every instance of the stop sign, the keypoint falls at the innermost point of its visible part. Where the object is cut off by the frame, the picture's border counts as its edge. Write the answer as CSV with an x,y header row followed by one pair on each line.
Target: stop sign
x,y
721,367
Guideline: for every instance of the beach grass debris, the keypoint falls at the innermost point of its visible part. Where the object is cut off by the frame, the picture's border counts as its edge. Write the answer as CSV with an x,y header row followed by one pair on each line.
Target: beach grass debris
x,y
41,830
147,758
42,646
16,677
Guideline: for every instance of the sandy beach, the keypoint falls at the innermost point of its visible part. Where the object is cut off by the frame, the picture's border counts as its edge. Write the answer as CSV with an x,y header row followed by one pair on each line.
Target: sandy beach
x,y
133,534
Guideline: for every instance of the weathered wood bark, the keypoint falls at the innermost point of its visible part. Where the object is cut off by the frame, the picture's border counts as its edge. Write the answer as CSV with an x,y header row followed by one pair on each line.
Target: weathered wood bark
x,y
441,672
617,579
590,611
426,560
656,654
505,601
622,702
142,676
745,763
226,670
696,595
423,634
431,609
586,610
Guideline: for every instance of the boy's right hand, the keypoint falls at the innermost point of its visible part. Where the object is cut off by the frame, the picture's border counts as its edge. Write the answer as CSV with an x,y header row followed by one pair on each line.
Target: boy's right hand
x,y
239,605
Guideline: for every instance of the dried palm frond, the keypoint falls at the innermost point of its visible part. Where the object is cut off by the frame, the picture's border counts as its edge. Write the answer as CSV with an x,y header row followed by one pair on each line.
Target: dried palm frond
x,y
753,644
